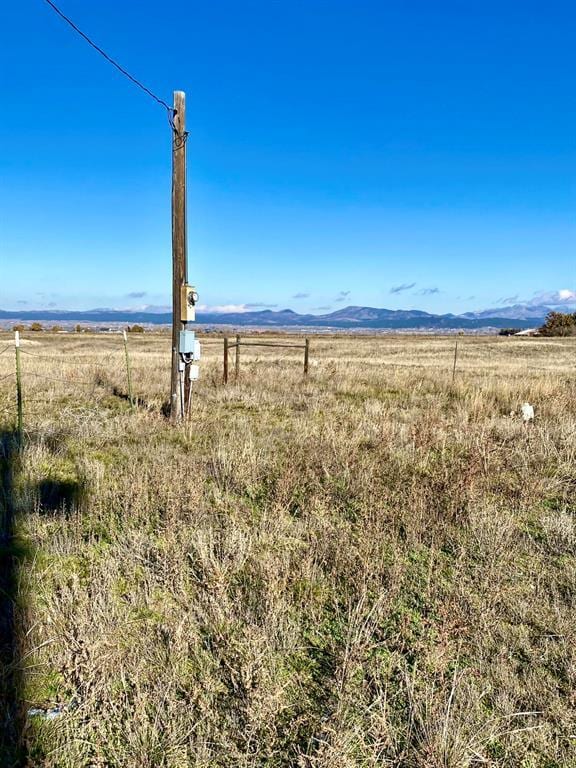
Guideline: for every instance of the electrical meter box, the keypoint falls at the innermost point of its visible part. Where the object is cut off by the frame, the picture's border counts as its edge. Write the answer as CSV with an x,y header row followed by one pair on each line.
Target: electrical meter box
x,y
194,373
188,299
189,345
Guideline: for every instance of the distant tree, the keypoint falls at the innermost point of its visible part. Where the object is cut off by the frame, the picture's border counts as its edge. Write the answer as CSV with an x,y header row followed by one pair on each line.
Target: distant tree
x,y
36,327
19,327
509,331
559,324
78,329
135,329
56,328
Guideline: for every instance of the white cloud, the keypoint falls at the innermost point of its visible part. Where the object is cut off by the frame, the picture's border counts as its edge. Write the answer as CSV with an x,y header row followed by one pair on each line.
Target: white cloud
x,y
563,296
222,308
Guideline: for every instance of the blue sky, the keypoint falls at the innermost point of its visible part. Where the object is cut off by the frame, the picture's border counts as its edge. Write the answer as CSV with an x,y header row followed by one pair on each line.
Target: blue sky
x,y
401,153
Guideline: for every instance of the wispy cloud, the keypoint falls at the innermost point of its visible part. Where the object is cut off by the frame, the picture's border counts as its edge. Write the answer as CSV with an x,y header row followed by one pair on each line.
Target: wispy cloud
x,y
22,301
427,291
52,304
563,296
551,298
342,296
260,305
509,300
322,309
222,308
301,296
136,295
402,287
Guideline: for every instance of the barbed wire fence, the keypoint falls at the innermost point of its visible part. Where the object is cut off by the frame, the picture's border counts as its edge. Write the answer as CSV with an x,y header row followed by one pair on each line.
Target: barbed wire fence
x,y
17,402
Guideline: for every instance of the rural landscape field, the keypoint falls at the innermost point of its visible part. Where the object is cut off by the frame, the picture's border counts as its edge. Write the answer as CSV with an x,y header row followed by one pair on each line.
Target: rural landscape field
x,y
370,566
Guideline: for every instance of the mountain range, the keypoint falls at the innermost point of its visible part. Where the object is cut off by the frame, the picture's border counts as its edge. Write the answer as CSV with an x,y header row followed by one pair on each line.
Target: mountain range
x,y
352,317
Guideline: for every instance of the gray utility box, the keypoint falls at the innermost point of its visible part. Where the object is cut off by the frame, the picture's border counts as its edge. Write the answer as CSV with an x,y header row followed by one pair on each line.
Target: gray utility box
x,y
189,345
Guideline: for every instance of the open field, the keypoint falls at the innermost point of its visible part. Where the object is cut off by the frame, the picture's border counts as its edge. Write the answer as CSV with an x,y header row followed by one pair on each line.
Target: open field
x,y
371,567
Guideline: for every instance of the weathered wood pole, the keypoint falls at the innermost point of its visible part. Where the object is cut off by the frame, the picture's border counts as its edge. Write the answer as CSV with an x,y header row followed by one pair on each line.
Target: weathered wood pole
x,y
179,251
306,356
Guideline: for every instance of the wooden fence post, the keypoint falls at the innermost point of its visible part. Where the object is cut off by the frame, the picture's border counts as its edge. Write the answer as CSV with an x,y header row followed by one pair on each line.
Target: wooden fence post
x,y
128,370
19,398
237,366
225,359
306,356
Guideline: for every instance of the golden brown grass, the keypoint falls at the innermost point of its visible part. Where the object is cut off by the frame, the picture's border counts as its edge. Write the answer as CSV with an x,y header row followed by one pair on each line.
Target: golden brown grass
x,y
368,568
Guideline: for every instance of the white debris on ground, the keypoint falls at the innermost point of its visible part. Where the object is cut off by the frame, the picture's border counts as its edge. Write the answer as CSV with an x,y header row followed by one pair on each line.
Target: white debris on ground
x,y
527,412
46,714
52,712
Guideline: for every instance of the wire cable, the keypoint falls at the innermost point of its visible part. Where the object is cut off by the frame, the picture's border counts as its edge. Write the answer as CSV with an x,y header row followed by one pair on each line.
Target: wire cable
x,y
121,69
61,360
5,349
72,383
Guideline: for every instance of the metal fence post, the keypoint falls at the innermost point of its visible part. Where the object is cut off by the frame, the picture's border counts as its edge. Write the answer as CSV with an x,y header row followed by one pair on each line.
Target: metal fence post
x,y
455,361
19,398
237,366
226,359
128,370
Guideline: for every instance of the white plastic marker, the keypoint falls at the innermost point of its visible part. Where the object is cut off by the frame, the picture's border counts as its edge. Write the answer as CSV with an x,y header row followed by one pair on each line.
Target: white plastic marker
x,y
527,411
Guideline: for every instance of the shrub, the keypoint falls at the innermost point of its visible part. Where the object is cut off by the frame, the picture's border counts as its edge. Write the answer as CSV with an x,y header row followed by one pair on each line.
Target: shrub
x,y
135,329
36,327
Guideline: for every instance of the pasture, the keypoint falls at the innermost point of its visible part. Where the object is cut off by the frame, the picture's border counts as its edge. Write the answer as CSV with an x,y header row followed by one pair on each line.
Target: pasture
x,y
368,567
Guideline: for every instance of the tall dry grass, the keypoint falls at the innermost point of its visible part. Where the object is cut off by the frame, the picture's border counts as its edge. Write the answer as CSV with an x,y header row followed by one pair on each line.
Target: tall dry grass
x,y
370,567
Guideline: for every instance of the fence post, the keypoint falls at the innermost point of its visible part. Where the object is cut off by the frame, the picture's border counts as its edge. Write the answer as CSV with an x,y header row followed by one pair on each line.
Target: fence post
x,y
19,389
306,356
128,370
455,361
237,366
225,359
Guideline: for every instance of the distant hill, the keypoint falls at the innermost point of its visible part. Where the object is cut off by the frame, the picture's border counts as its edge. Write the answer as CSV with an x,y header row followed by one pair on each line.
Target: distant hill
x,y
351,317
516,312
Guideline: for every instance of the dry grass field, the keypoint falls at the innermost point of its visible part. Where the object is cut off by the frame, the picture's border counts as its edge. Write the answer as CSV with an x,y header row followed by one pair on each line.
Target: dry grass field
x,y
372,567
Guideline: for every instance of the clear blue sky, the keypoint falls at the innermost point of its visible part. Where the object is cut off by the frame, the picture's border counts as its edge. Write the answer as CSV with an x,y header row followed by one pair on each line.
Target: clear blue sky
x,y
341,149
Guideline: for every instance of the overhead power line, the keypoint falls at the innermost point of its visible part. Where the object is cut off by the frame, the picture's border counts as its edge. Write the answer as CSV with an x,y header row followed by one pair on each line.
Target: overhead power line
x,y
111,60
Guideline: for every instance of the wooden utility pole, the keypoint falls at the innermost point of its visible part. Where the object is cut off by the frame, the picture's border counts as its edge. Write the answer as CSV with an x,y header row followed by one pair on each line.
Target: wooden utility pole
x,y
178,398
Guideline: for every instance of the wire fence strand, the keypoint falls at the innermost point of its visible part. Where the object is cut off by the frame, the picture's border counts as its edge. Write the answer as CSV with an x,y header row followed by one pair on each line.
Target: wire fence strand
x,y
72,382
61,359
